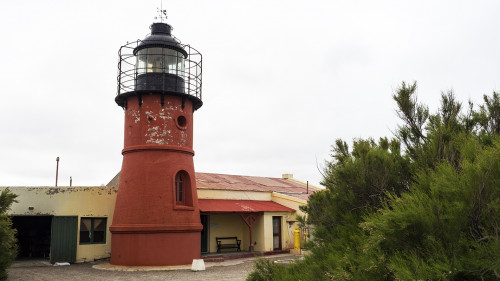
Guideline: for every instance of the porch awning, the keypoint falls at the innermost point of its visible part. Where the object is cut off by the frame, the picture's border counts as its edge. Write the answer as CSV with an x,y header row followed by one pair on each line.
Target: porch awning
x,y
240,206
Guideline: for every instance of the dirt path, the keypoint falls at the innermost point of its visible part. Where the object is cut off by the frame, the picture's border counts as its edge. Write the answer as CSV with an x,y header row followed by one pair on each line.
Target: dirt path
x,y
230,270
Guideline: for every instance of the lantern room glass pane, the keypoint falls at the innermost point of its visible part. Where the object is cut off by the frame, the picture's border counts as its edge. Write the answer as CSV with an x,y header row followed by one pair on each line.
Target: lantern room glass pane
x,y
171,61
155,60
160,60
180,64
141,64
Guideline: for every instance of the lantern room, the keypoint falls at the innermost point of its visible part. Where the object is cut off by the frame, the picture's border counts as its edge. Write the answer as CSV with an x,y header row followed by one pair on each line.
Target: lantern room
x,y
159,64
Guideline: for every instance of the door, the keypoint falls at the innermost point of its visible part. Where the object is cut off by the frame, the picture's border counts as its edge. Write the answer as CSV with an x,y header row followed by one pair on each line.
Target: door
x,y
33,235
63,241
276,233
204,234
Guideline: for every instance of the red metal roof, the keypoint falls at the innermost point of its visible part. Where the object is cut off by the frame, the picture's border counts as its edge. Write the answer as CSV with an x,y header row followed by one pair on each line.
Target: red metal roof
x,y
250,183
240,206
247,183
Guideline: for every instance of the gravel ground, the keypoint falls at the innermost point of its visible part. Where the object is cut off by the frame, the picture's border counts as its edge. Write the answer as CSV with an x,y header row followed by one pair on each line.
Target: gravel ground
x,y
228,270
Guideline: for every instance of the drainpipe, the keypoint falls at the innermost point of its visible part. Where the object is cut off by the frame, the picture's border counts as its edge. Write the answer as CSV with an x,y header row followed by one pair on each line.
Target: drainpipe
x,y
70,181
307,187
57,169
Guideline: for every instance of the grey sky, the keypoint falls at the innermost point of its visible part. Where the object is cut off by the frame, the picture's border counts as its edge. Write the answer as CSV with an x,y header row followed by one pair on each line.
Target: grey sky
x,y
281,79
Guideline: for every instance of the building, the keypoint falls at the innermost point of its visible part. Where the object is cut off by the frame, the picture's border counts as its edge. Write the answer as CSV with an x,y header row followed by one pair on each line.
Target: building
x,y
158,211
159,89
72,223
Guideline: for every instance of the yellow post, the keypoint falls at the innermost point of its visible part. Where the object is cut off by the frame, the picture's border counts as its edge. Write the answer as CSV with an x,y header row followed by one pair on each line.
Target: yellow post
x,y
296,235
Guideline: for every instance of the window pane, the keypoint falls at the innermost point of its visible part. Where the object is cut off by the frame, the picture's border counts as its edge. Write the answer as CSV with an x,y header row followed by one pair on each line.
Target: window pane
x,y
141,63
84,236
171,61
160,60
276,226
180,64
276,242
85,224
155,63
99,224
85,230
93,230
179,182
99,230
99,236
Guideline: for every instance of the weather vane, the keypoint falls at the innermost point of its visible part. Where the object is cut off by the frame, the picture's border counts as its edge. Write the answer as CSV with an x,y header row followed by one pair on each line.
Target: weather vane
x,y
162,14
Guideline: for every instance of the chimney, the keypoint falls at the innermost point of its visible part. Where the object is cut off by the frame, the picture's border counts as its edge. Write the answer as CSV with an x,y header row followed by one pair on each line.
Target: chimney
x,y
287,176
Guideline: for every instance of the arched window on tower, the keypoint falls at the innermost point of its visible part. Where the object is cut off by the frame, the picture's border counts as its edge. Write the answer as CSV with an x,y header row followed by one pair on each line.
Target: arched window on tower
x,y
183,194
180,185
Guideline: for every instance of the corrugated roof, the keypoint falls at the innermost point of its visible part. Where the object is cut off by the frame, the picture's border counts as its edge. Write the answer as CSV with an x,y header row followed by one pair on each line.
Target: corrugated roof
x,y
246,183
240,206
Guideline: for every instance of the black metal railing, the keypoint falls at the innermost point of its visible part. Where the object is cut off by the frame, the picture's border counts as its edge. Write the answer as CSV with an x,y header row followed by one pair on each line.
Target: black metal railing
x,y
128,72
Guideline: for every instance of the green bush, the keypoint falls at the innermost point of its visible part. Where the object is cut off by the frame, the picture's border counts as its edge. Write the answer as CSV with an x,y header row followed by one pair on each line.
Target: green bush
x,y
446,227
8,242
430,212
265,270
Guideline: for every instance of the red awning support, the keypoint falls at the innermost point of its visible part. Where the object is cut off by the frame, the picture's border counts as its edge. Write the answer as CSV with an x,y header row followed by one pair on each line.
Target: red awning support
x,y
250,219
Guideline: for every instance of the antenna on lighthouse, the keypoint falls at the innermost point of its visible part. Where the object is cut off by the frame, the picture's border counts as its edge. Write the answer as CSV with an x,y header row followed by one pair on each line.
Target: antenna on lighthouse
x,y
162,14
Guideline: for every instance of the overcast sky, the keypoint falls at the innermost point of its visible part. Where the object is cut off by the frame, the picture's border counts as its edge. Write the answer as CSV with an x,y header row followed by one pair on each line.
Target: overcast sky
x,y
281,79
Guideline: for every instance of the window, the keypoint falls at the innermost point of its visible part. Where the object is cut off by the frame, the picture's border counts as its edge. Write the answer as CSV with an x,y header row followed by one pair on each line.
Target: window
x,y
160,60
180,183
181,122
181,191
93,230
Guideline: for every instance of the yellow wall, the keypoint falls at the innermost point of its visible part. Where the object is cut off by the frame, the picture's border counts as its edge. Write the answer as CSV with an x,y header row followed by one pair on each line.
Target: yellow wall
x,y
235,195
263,229
258,235
286,239
262,234
291,219
99,201
227,226
95,201
288,201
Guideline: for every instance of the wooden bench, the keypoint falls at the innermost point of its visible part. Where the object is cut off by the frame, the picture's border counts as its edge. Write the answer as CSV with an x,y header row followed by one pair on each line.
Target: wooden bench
x,y
233,244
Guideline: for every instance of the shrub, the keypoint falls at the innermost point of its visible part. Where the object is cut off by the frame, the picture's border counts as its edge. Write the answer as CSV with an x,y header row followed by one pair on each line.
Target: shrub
x,y
8,242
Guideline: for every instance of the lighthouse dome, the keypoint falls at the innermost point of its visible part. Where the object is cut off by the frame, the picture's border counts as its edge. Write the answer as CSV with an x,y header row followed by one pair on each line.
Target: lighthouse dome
x,y
160,37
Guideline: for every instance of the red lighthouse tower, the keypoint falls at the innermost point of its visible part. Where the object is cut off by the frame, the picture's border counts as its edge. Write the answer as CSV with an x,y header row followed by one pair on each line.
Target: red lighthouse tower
x,y
156,219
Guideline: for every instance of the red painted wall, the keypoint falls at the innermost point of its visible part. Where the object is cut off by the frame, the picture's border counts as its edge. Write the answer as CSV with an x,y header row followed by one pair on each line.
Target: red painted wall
x,y
148,227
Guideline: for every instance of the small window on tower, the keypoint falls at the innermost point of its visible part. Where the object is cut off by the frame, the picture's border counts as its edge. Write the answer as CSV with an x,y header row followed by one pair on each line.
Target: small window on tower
x,y
183,189
179,188
181,121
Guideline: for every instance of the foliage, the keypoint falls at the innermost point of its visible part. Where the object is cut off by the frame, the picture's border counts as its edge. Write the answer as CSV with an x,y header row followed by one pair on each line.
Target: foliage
x,y
424,205
356,183
488,116
8,242
446,227
265,270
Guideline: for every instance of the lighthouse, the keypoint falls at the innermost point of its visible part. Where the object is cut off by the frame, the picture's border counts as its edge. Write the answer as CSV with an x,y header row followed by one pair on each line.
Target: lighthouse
x,y
156,220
